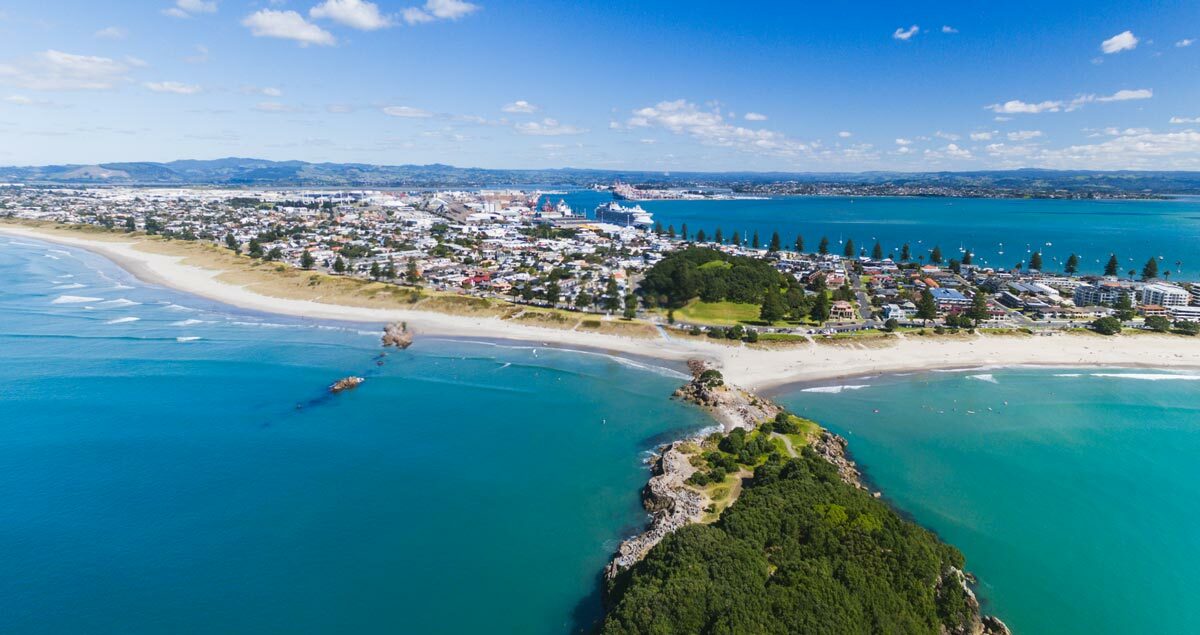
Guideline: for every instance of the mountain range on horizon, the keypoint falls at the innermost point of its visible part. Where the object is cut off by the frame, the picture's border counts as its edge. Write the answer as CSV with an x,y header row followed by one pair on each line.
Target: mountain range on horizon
x,y
241,172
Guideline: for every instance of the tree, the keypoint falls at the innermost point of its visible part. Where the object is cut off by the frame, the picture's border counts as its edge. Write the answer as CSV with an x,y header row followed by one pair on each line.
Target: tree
x,y
905,253
583,299
683,232
1150,270
552,292
231,242
276,253
955,266
658,228
1107,326
306,260
821,307
671,232
891,324
701,236
979,308
754,241
1035,261
1113,265
775,242
849,250
1187,328
630,307
877,251
339,265
375,271
968,257
935,256
410,271
1124,307
772,309
823,246
1072,264
927,307
1158,323
719,237
130,224
612,295
736,239
256,248
799,244
389,271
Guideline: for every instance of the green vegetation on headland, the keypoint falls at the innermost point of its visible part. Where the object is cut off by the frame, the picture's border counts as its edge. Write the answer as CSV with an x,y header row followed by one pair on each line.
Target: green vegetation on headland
x,y
801,551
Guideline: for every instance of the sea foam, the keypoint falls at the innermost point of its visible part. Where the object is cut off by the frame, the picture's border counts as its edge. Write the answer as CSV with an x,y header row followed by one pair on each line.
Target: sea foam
x,y
123,320
73,299
836,389
988,377
1149,376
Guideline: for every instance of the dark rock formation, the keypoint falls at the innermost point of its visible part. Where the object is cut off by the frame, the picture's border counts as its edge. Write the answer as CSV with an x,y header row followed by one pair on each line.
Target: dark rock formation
x,y
397,334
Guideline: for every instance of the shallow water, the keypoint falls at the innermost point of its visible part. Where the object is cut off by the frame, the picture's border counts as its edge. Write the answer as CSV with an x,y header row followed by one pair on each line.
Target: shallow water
x,y
187,472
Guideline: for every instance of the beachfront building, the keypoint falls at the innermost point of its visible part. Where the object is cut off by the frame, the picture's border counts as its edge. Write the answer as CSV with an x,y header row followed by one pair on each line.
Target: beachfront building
x,y
1184,313
841,310
1164,295
1106,293
949,299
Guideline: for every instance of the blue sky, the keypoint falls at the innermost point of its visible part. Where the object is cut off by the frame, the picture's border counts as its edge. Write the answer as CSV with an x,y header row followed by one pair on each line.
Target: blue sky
x,y
625,85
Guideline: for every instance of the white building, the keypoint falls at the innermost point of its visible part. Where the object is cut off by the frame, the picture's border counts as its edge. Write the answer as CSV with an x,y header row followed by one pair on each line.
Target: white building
x,y
1164,295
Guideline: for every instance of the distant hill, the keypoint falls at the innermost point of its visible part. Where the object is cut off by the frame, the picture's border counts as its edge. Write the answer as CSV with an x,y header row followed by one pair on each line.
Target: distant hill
x,y
236,171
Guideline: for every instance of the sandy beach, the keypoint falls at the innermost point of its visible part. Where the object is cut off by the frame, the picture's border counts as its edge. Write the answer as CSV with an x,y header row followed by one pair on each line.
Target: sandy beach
x,y
753,368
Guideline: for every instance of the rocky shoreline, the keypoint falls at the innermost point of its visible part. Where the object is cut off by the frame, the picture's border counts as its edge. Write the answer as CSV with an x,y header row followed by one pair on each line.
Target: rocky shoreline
x,y
673,504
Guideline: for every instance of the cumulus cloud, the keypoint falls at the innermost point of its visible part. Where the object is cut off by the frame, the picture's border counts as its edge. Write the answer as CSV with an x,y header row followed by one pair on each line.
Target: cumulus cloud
x,y
754,116
1024,135
188,8
1180,120
58,71
520,106
287,25
407,112
903,142
111,33
904,35
949,29
1185,42
273,106
1123,41
1018,107
357,14
439,10
948,136
710,127
845,134
982,136
175,88
547,128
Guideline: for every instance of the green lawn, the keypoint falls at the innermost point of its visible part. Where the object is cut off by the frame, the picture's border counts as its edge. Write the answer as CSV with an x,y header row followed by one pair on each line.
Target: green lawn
x,y
718,313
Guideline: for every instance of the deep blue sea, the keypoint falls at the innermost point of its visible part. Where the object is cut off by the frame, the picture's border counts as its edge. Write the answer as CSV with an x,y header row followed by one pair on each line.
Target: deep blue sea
x,y
1072,493
169,465
1000,232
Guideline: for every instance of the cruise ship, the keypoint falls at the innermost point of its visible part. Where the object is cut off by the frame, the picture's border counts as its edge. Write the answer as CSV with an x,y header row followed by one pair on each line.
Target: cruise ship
x,y
614,214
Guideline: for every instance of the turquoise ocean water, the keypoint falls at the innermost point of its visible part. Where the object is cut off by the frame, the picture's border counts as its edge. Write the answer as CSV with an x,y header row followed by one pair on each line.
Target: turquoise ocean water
x,y
1135,230
169,465
1072,493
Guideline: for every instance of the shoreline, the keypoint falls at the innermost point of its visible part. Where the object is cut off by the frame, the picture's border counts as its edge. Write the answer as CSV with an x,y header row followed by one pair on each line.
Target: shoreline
x,y
768,371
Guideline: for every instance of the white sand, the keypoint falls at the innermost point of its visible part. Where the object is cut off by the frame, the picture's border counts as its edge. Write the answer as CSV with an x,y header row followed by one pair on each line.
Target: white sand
x,y
751,368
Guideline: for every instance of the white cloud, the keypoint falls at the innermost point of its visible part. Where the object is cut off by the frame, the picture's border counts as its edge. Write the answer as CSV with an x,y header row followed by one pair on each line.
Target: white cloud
x,y
176,88
905,34
1123,41
111,33
710,127
267,91
357,14
273,106
903,142
953,150
845,134
339,108
439,10
903,150
1185,43
54,70
1178,120
407,112
948,136
1127,95
982,136
520,106
20,100
287,25
547,128
1016,106
1024,135
188,8
1142,148
949,29
754,116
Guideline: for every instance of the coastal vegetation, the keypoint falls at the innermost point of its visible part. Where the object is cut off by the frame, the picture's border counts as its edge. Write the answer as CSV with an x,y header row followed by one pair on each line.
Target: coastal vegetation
x,y
801,551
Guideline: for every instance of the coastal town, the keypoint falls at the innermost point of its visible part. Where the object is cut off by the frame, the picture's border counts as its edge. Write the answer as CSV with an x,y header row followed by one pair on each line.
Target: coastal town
x,y
527,248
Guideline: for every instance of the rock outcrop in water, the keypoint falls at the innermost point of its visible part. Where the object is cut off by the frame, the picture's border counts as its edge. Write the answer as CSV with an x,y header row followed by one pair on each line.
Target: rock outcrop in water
x,y
397,334
345,383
